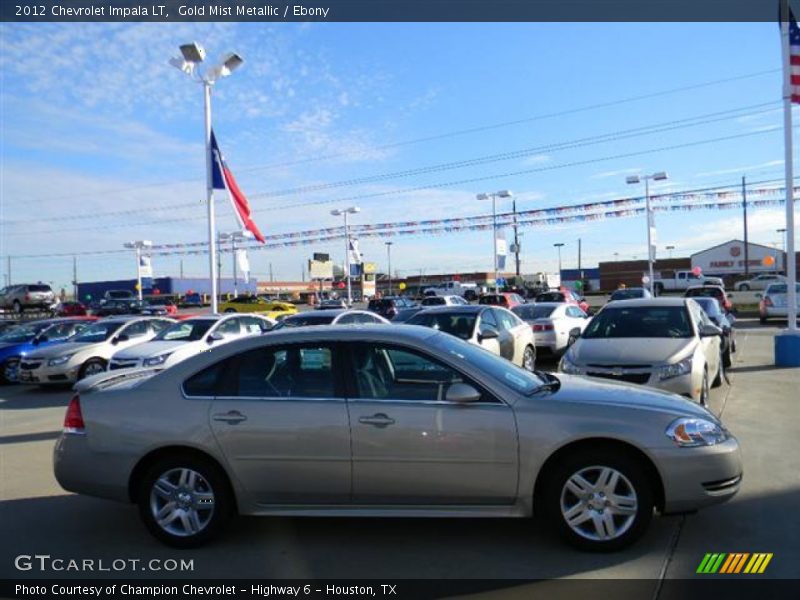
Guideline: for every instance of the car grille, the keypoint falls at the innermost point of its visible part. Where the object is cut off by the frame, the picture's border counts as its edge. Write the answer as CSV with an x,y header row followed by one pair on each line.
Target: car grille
x,y
604,366
628,377
114,366
30,366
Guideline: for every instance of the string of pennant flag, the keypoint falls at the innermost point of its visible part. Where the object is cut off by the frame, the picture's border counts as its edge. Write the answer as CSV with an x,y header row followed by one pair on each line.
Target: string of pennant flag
x,y
524,219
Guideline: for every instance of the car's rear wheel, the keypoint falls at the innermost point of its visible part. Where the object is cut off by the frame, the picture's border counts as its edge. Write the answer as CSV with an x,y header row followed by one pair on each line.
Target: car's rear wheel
x,y
93,366
230,310
529,358
744,288
705,392
599,501
184,501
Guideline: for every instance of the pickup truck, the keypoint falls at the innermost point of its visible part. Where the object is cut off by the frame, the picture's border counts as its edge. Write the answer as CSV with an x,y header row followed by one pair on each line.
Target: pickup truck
x,y
683,280
469,291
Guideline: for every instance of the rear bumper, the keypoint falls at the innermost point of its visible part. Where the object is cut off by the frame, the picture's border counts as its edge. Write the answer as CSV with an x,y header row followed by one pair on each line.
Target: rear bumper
x,y
80,470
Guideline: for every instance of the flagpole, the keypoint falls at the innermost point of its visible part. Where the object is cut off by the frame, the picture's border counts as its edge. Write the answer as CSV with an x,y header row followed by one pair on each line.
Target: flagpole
x,y
212,227
787,343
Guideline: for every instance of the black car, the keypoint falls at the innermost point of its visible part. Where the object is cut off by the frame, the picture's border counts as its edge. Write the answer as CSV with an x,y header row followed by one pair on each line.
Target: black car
x,y
117,307
723,321
389,306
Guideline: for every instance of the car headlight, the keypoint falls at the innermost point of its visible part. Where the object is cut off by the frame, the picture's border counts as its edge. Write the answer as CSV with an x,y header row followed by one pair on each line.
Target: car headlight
x,y
569,367
692,432
675,369
60,360
154,361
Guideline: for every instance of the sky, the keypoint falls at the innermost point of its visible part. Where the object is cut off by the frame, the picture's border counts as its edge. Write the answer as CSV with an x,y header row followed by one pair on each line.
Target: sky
x,y
93,120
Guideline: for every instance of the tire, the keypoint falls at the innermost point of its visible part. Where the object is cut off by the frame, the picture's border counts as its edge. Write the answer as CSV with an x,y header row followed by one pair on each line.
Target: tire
x,y
7,368
192,523
230,310
529,359
705,391
18,307
744,288
600,524
762,320
720,372
93,366
727,361
658,289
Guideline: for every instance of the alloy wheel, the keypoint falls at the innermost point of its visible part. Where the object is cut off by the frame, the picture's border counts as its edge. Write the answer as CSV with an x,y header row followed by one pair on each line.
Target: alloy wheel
x,y
529,359
599,503
93,368
182,502
11,370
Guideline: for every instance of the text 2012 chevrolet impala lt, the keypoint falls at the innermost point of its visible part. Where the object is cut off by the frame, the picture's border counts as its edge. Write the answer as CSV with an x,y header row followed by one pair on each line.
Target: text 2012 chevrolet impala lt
x,y
388,421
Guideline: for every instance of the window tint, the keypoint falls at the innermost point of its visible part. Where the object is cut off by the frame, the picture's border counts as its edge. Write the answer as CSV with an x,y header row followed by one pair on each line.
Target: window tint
x,y
207,382
487,318
574,311
286,372
458,324
185,331
551,297
137,329
39,288
390,373
160,325
533,311
61,330
506,319
229,327
252,325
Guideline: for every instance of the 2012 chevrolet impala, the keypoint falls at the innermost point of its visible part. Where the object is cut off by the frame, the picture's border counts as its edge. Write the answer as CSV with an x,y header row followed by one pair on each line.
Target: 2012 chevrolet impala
x,y
387,421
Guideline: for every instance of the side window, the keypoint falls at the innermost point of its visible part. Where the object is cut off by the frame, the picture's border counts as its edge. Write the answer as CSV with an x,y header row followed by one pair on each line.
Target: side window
x,y
681,275
699,314
348,320
286,372
229,327
207,382
488,319
575,312
59,331
505,319
160,325
138,329
251,325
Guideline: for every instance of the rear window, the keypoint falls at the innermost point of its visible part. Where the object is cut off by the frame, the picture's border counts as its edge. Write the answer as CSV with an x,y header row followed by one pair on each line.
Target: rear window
x,y
531,311
550,297
39,288
492,300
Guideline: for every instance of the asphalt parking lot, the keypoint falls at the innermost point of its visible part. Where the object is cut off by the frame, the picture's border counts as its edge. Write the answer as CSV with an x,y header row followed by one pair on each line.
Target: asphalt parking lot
x,y
760,408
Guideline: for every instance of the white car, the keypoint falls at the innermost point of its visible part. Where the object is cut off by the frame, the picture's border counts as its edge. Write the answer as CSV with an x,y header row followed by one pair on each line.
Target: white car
x,y
331,317
443,301
760,282
88,352
494,328
774,303
187,338
555,325
665,343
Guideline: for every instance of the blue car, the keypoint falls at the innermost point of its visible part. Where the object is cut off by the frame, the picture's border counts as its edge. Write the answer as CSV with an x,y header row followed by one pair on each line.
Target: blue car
x,y
27,337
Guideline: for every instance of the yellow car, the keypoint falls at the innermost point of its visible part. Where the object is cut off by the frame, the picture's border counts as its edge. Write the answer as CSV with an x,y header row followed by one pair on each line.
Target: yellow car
x,y
254,304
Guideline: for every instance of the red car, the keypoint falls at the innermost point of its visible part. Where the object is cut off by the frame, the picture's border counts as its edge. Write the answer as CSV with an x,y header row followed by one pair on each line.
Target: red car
x,y
711,291
505,299
564,295
71,309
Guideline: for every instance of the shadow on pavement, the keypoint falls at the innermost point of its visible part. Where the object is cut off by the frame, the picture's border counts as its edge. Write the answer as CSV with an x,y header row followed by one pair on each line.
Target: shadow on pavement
x,y
29,437
27,397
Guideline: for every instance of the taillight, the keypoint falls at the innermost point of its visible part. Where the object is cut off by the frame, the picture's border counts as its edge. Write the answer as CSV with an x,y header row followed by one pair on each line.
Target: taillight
x,y
27,297
539,327
767,301
73,420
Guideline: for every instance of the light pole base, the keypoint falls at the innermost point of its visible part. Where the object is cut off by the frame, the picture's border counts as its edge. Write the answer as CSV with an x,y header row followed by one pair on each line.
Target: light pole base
x,y
787,349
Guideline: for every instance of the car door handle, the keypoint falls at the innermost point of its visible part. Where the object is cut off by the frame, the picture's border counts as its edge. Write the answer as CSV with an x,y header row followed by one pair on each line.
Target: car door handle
x,y
378,420
232,417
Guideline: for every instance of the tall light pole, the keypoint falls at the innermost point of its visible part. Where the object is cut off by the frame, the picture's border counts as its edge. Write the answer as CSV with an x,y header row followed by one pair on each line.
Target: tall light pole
x,y
559,246
192,55
670,249
235,236
139,245
635,179
494,196
344,212
389,258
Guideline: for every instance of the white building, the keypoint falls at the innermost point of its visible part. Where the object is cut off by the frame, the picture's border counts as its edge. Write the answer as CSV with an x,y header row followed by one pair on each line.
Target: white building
x,y
729,259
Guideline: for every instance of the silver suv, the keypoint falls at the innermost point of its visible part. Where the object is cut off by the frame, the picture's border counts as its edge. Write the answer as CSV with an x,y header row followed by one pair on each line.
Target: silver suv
x,y
26,296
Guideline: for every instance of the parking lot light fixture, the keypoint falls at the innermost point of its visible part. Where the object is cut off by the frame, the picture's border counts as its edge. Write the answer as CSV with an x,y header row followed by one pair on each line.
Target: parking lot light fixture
x,y
389,259
494,196
191,56
635,179
338,212
139,245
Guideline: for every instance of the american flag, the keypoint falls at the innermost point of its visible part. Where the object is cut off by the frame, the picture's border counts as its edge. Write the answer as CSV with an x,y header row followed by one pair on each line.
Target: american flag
x,y
794,58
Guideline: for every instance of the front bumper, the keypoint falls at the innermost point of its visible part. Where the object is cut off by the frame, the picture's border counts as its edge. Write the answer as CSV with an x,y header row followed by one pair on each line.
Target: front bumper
x,y
694,478
39,373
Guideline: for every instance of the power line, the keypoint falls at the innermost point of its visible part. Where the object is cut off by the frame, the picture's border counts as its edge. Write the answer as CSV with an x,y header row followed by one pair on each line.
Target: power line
x,y
441,136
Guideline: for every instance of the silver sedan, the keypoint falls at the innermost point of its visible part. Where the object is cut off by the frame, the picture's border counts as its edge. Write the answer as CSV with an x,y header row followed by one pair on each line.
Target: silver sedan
x,y
387,421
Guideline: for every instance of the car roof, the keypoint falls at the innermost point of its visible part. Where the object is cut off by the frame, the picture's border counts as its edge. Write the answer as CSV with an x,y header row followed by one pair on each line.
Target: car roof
x,y
545,304
705,287
459,308
637,302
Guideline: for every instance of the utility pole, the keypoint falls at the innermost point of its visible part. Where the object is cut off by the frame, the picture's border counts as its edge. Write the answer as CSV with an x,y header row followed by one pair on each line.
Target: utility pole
x,y
516,238
579,254
75,278
181,268
744,210
8,268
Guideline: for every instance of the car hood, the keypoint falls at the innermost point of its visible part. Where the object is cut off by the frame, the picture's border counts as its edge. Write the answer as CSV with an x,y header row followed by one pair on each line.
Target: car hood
x,y
148,349
634,351
64,348
584,390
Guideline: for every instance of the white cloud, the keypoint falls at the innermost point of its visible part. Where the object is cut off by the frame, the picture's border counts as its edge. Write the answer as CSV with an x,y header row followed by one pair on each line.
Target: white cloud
x,y
617,173
742,169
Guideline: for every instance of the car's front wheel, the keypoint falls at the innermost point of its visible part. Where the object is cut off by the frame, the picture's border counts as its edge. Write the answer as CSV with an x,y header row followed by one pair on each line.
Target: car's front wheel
x,y
744,288
184,501
599,501
529,359
9,370
93,366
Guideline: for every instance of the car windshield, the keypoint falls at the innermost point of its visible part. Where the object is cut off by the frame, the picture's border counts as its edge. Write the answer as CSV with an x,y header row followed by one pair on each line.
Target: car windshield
x,y
39,288
99,332
627,294
550,297
709,305
640,322
22,333
474,358
492,299
781,288
709,292
460,325
529,312
305,321
189,330
433,301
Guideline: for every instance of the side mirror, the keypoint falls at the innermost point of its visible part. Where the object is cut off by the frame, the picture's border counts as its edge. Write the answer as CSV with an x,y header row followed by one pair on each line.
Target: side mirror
x,y
709,331
122,337
487,333
214,337
462,393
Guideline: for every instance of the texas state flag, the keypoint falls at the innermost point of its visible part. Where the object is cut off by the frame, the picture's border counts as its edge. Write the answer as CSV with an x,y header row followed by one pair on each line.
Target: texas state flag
x,y
222,179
